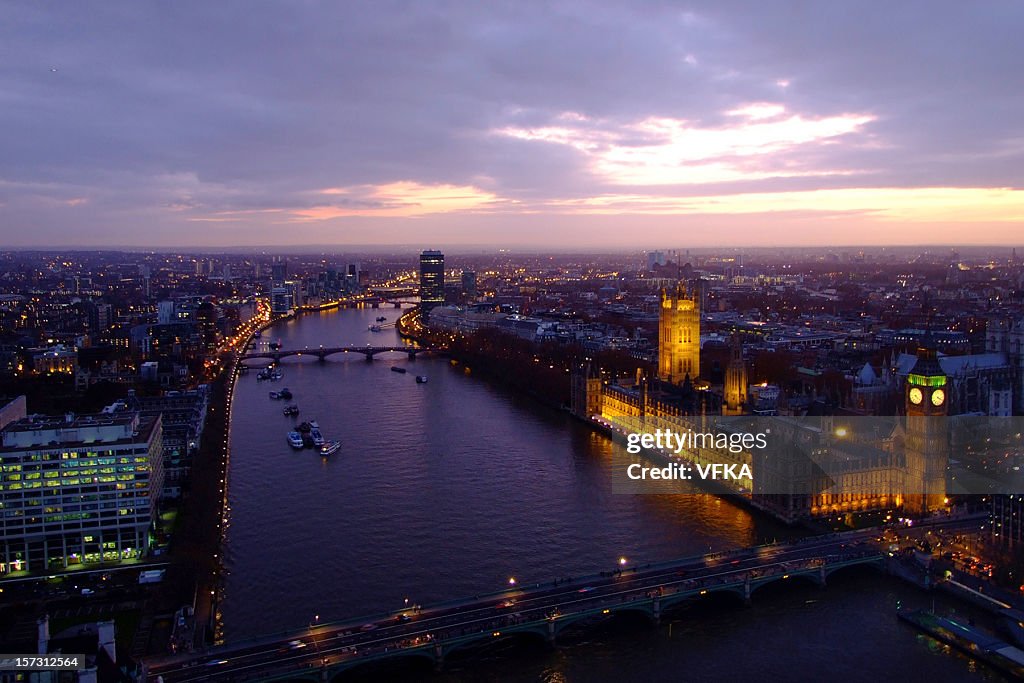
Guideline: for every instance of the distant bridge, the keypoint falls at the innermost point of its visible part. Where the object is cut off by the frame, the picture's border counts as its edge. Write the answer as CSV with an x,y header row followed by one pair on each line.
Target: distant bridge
x,y
323,352
541,611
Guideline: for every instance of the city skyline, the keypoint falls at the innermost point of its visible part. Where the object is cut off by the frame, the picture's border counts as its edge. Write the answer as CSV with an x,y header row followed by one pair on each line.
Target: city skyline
x,y
579,126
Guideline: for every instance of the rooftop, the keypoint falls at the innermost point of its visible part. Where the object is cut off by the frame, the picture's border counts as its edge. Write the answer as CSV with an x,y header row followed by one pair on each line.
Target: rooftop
x,y
76,430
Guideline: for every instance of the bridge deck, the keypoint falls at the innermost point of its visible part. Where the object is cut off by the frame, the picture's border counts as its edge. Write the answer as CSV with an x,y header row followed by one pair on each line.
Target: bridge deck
x,y
367,350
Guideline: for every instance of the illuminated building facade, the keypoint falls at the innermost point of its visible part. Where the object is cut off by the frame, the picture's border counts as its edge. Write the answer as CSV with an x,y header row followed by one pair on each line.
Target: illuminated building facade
x,y
679,335
927,433
735,380
817,469
78,490
431,279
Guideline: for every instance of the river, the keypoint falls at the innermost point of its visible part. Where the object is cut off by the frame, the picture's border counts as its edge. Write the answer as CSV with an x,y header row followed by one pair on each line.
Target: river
x,y
450,488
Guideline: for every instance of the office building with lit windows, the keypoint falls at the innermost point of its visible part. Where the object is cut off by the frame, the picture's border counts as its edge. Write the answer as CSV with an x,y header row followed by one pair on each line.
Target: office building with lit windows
x,y
78,489
431,279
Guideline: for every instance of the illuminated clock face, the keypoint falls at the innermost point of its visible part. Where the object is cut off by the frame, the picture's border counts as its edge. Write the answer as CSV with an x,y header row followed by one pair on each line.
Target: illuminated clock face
x,y
938,397
916,396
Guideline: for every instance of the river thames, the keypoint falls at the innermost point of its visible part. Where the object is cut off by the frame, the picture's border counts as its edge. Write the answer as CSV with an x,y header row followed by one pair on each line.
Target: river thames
x,y
448,489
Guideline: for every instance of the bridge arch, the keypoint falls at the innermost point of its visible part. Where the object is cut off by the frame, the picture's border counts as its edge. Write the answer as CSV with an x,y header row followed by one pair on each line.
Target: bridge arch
x,y
842,570
813,578
530,634
397,658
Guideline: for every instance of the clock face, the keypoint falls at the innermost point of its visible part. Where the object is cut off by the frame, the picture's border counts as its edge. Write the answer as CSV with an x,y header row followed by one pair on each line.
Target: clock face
x,y
938,397
916,396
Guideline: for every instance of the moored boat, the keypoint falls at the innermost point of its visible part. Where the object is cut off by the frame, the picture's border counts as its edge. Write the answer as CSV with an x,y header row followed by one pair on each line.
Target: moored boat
x,y
421,379
969,639
295,440
291,411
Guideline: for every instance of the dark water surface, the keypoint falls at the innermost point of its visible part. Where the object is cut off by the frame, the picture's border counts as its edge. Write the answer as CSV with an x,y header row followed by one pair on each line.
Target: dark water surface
x,y
446,489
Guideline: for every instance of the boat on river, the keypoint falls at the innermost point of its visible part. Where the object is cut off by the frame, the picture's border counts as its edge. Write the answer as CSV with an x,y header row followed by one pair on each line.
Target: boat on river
x,y
329,448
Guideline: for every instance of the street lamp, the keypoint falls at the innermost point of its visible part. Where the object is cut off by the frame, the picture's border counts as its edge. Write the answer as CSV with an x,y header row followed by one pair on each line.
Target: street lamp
x,y
511,580
622,561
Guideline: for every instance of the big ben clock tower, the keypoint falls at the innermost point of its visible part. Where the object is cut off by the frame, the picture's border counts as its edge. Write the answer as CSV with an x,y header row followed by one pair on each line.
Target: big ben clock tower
x,y
927,441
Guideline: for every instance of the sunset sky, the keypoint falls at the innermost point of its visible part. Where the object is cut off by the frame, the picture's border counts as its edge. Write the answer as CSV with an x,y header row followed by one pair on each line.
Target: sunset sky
x,y
528,124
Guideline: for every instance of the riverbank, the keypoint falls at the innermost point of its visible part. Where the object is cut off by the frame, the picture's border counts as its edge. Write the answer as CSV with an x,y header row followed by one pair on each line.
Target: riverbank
x,y
524,379
194,571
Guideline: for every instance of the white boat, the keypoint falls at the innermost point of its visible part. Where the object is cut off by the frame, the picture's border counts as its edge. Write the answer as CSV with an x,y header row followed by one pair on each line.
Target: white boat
x,y
318,438
421,379
295,440
329,448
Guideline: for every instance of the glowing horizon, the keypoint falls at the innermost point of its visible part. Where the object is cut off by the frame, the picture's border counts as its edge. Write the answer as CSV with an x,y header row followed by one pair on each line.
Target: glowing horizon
x,y
606,124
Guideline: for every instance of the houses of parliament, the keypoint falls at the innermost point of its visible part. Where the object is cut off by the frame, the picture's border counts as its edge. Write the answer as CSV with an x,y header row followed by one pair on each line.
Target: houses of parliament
x,y
816,466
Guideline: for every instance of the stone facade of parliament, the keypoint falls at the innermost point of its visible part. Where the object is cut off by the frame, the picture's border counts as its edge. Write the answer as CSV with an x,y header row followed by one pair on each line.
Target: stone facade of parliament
x,y
818,467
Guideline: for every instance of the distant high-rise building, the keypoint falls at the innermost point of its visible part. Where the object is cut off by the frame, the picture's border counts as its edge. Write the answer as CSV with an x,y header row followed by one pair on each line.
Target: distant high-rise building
x,y
679,335
279,269
431,279
282,300
469,284
655,258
